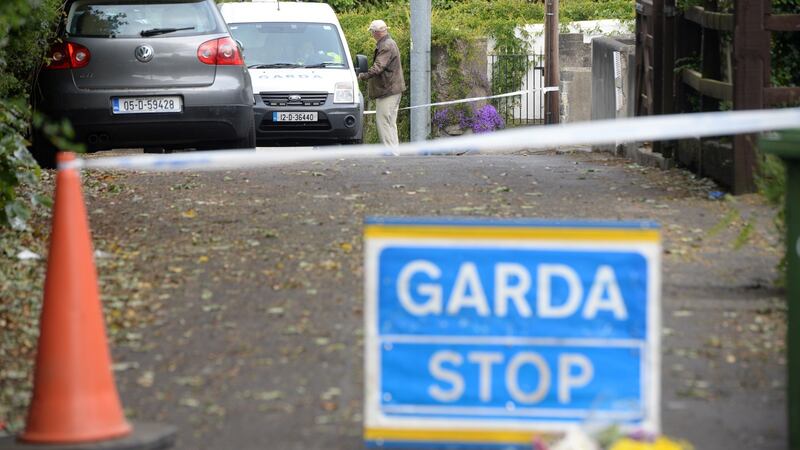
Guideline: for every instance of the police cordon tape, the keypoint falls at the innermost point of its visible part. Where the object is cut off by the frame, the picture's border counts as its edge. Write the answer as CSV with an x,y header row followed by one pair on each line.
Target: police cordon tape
x,y
475,99
650,128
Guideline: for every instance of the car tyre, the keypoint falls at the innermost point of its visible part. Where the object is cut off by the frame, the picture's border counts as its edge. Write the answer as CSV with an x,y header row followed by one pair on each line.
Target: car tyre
x,y
43,151
248,141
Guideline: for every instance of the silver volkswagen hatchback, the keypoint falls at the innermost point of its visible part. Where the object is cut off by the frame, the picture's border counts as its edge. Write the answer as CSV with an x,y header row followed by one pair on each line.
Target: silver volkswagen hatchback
x,y
157,74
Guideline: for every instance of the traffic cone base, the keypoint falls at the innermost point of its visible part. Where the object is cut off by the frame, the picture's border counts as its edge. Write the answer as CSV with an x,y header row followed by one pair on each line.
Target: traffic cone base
x,y
145,436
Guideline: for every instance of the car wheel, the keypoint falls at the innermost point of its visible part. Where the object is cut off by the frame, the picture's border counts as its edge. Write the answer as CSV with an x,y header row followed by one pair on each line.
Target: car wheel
x,y
43,151
248,141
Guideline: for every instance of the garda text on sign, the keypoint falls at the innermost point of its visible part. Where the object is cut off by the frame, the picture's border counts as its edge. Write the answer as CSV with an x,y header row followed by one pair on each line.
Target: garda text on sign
x,y
487,332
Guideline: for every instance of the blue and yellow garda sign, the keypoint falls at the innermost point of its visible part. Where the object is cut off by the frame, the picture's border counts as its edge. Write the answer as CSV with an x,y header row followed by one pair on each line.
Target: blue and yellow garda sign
x,y
488,332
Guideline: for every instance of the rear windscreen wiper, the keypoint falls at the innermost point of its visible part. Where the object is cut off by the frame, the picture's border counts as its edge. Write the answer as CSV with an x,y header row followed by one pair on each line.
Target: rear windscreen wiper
x,y
274,66
157,31
324,64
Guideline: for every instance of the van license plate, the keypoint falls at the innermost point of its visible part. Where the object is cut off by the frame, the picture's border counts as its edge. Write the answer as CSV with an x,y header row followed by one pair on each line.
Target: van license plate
x,y
294,116
136,105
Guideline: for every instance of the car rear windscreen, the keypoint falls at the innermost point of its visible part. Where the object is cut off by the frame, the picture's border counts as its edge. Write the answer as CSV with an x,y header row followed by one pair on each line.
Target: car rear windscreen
x,y
93,18
290,44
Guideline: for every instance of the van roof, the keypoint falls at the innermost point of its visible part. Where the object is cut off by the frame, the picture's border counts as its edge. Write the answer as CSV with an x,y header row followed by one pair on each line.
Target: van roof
x,y
269,11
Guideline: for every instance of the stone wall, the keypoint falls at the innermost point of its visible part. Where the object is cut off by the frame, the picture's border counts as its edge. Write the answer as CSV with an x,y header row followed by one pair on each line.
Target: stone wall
x,y
475,83
574,51
473,68
575,62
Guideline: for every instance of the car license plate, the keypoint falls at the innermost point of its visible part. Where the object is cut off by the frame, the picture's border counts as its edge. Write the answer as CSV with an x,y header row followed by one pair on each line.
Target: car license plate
x,y
136,105
294,116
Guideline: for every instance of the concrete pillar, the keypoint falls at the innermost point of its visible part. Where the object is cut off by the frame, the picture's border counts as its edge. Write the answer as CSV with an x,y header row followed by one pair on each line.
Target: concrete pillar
x,y
420,68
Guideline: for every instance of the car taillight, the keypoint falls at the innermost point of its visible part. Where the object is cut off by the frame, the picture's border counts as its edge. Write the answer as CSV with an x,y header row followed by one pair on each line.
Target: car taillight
x,y
79,55
220,52
207,53
68,55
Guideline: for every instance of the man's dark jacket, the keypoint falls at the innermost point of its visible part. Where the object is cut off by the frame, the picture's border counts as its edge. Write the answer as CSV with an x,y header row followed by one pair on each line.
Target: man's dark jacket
x,y
385,77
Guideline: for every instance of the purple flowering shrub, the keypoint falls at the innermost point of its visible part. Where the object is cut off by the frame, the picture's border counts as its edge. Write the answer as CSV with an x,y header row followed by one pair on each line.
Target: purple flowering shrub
x,y
444,118
485,119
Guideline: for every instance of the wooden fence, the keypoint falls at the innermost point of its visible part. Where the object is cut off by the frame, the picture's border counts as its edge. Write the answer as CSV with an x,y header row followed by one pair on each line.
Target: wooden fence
x,y
680,57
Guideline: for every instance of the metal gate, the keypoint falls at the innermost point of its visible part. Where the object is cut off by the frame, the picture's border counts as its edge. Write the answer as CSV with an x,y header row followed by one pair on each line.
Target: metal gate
x,y
513,72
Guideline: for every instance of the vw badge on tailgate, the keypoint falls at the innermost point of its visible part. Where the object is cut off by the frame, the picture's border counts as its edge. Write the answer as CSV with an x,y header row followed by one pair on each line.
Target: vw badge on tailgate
x,y
144,53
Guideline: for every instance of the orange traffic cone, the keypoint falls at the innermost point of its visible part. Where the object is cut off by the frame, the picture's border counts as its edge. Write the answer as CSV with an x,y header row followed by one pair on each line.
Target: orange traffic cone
x,y
74,396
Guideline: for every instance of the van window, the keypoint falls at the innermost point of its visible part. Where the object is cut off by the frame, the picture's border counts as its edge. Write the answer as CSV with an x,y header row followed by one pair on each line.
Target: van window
x,y
290,44
137,18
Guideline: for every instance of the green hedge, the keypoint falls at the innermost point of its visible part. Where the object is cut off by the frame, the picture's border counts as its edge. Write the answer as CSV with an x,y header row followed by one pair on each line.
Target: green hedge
x,y
25,27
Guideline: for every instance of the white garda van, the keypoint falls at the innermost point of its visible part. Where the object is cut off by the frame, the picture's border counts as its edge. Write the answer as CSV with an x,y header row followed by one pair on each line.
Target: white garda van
x,y
304,81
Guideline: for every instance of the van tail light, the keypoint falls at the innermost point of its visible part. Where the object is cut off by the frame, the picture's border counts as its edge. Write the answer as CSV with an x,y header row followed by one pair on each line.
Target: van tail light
x,y
68,55
220,52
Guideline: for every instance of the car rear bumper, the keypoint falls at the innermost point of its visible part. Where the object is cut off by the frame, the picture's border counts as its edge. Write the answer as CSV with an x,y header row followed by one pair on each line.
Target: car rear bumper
x,y
216,114
196,127
336,123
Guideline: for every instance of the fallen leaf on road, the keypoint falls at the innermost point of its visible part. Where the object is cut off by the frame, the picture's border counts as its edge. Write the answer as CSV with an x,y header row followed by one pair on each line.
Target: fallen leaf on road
x,y
267,396
146,379
212,308
329,406
331,393
189,402
123,366
330,265
26,254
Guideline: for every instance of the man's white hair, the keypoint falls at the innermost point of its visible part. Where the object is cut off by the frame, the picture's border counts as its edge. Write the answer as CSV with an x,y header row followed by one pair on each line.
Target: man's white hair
x,y
377,25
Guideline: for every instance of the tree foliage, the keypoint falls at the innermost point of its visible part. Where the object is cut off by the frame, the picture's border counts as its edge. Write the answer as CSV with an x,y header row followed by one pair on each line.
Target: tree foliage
x,y
25,27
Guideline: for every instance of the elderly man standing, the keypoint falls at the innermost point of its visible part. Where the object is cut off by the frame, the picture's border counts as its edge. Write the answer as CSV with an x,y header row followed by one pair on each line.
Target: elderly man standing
x,y
385,82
